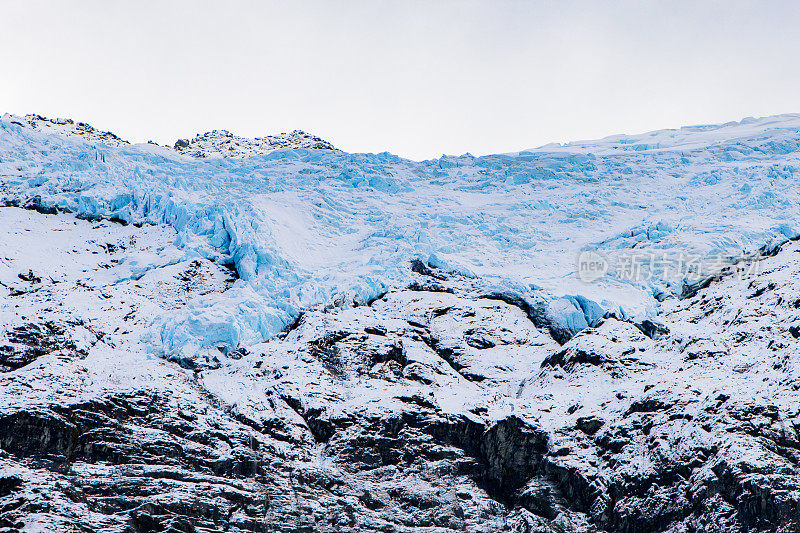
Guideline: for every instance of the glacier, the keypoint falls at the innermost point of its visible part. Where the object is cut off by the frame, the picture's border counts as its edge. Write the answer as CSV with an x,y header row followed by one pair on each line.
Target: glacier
x,y
308,229
274,335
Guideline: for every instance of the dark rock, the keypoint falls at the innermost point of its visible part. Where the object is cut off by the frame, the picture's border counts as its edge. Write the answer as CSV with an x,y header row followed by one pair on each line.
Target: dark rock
x,y
26,343
424,270
652,329
513,450
589,424
9,485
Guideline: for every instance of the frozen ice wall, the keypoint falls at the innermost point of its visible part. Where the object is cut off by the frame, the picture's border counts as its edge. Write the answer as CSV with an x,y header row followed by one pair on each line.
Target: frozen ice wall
x,y
309,228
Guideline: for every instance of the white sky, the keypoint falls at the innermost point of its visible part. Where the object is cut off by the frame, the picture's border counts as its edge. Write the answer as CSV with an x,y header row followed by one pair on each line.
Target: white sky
x,y
415,78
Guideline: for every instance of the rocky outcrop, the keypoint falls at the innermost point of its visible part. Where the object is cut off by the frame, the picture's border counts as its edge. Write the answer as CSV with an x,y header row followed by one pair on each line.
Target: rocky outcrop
x,y
222,143
23,344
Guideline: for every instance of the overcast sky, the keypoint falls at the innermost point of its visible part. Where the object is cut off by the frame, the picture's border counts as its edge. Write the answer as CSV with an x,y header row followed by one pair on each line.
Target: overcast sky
x,y
415,78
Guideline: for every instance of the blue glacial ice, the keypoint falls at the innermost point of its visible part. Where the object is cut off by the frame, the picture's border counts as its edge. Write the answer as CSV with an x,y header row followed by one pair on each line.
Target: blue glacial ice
x,y
309,228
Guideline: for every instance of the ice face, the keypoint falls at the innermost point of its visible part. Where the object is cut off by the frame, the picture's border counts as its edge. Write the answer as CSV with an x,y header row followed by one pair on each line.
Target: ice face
x,y
308,228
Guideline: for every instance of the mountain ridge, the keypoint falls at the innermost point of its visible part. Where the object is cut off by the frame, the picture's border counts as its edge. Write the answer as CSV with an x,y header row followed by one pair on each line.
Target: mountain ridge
x,y
212,144
223,143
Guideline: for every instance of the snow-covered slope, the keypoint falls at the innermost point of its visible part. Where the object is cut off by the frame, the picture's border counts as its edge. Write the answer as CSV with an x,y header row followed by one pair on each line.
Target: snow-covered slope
x,y
570,339
749,132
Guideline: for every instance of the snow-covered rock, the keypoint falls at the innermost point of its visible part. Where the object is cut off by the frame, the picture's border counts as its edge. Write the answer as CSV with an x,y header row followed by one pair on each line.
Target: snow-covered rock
x,y
308,340
222,143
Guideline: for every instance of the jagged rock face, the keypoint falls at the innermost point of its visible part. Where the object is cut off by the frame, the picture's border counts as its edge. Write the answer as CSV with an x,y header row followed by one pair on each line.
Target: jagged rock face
x,y
222,143
437,407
